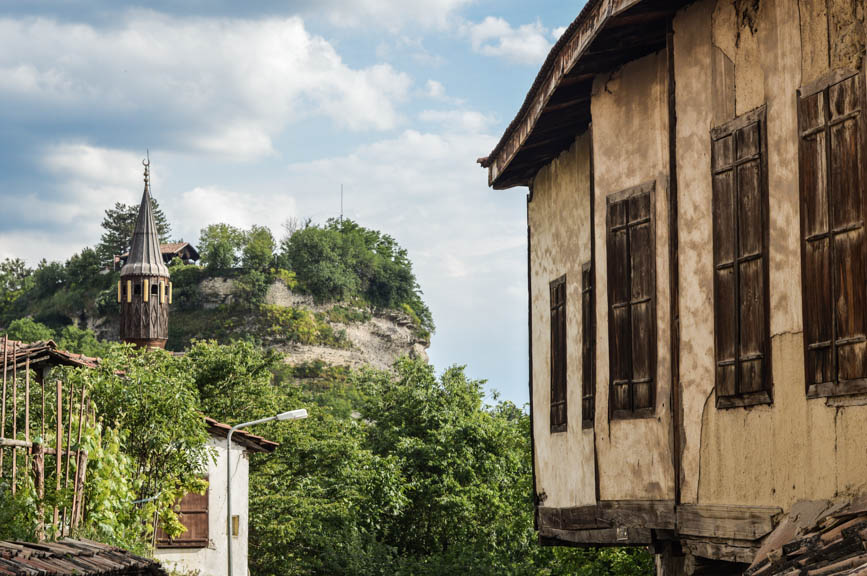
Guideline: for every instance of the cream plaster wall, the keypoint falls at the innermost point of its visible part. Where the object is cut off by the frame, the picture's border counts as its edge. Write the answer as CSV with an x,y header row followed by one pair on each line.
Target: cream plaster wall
x,y
559,217
630,142
796,448
213,559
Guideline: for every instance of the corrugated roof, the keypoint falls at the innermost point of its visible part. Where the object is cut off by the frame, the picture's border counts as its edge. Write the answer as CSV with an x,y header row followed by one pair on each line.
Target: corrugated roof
x,y
68,557
145,257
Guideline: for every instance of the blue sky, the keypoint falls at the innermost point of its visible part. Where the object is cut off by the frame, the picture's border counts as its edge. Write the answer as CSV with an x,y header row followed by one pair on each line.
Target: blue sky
x,y
257,112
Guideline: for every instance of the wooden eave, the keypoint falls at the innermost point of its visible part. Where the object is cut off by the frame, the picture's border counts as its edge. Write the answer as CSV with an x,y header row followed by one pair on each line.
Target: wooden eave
x,y
605,35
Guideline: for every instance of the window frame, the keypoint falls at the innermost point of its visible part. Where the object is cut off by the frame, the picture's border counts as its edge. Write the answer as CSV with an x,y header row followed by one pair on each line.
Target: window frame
x,y
835,387
184,541
730,129
558,352
648,188
588,348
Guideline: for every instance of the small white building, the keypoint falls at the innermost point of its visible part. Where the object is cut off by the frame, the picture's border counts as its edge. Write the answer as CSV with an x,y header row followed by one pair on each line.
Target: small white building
x,y
203,547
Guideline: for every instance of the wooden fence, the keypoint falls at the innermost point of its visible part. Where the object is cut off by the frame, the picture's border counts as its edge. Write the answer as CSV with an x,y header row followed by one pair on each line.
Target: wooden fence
x,y
41,426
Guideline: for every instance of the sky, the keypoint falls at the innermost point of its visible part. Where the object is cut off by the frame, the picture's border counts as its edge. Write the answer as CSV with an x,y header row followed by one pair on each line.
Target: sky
x,y
258,112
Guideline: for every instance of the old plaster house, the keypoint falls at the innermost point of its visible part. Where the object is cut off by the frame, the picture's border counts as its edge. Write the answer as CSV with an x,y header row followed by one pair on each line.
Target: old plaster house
x,y
698,282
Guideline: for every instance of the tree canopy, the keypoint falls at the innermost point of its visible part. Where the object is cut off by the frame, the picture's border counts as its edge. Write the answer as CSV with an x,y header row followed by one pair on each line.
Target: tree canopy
x,y
118,226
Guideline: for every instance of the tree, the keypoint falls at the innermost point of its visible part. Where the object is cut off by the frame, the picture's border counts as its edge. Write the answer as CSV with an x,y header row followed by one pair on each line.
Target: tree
x,y
424,479
28,330
15,280
118,226
82,270
258,252
81,341
148,399
343,260
220,246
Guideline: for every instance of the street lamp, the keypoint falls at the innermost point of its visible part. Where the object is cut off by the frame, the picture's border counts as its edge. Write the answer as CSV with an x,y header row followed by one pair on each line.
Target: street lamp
x,y
291,415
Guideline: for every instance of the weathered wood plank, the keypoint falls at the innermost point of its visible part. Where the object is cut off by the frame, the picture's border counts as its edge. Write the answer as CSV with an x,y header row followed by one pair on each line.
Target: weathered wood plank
x,y
658,514
726,551
600,537
715,521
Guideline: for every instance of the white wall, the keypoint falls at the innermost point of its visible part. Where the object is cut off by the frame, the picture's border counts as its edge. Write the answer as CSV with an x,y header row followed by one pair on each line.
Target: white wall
x,y
212,560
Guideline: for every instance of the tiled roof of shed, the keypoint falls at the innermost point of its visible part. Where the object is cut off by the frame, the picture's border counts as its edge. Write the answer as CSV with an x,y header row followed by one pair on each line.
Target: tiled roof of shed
x,y
46,351
170,248
821,538
68,556
250,441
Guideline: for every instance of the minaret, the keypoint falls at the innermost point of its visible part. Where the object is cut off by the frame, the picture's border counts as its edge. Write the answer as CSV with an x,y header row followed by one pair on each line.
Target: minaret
x,y
144,290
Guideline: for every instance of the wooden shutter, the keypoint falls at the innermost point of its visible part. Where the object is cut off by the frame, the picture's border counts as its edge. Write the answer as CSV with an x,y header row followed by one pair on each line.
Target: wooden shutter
x,y
193,513
833,250
740,256
588,337
558,354
631,302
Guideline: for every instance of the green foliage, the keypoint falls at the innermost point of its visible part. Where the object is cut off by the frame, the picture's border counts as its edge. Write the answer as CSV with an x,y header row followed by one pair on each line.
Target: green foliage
x,y
234,381
343,261
185,285
288,278
403,473
258,251
302,326
348,314
28,330
220,246
15,280
251,287
118,226
150,398
81,341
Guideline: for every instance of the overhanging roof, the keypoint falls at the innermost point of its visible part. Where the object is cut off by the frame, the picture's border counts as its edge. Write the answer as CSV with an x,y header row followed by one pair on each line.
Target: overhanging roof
x,y
605,35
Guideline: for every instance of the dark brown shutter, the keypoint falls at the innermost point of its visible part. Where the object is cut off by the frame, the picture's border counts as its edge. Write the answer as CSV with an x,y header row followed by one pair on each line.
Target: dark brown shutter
x,y
834,250
558,355
588,365
193,514
631,298
740,252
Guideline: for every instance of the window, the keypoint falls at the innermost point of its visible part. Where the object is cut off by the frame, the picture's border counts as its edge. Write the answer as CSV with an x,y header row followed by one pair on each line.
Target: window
x,y
740,258
631,295
588,350
137,289
832,231
155,289
558,354
193,513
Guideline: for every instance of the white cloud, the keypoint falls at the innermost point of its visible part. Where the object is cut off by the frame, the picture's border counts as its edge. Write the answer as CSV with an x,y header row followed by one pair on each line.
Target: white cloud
x,y
435,89
465,120
391,14
526,44
240,208
222,86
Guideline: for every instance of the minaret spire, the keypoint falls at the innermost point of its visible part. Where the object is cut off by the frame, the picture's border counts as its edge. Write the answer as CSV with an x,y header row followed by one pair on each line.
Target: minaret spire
x,y
144,291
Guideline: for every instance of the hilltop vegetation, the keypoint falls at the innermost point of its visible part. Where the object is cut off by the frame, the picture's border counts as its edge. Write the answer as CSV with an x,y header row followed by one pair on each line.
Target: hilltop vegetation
x,y
339,261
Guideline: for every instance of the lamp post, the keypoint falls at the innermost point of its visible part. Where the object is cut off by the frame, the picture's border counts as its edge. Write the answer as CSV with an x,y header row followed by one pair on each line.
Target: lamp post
x,y
291,415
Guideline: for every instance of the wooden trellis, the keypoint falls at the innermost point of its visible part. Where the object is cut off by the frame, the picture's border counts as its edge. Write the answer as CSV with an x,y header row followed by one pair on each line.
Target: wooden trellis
x,y
38,420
